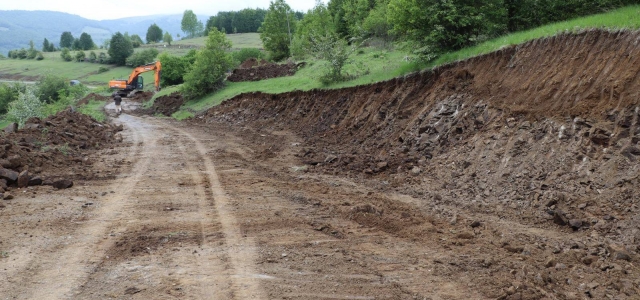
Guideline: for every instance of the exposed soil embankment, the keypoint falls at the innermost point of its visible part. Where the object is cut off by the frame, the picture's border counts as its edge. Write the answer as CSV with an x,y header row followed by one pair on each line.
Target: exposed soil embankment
x,y
544,135
167,105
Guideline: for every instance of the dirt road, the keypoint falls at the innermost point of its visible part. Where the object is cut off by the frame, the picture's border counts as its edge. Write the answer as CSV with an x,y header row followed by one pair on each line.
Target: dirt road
x,y
454,184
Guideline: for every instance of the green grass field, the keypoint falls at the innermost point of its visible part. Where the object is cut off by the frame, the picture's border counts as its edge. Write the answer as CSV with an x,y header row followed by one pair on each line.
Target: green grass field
x,y
238,40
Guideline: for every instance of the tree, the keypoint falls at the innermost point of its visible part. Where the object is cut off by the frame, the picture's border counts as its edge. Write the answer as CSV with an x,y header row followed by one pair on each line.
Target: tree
x,y
86,42
45,45
189,24
211,64
167,38
120,48
136,41
154,34
92,56
175,67
142,58
276,29
76,45
317,22
66,40
438,26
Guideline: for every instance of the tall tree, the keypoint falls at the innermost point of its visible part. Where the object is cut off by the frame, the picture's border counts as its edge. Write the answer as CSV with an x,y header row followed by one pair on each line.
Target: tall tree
x,y
167,38
86,42
154,34
189,24
66,40
120,48
276,30
45,45
136,41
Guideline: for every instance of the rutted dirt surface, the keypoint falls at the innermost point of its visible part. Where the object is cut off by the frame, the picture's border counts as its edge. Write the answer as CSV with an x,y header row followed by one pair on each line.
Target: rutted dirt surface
x,y
255,71
509,176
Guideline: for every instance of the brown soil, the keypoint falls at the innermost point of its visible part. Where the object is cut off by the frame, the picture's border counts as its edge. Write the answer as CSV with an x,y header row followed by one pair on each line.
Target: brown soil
x,y
509,176
252,62
142,96
92,96
263,70
56,147
167,105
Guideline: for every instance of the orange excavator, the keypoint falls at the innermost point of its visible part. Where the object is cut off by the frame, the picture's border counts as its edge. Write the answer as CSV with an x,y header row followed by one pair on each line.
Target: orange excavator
x,y
135,83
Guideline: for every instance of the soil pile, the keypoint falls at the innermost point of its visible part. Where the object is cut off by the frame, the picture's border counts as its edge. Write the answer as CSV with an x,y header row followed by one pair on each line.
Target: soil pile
x,y
252,62
92,96
167,105
543,136
142,96
47,149
264,71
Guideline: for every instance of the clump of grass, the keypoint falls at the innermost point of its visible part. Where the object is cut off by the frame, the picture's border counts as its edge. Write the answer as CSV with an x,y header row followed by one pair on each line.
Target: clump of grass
x,y
94,109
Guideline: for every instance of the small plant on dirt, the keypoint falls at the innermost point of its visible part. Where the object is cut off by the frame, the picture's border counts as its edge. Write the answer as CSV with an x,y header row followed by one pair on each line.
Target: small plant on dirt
x,y
26,106
4,254
64,149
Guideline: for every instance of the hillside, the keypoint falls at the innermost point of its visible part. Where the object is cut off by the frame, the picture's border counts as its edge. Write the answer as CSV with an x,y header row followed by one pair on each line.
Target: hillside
x,y
18,27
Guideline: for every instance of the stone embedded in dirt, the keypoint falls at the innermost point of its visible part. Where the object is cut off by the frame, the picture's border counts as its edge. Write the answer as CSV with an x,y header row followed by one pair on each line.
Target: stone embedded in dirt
x,y
23,179
513,249
559,218
3,184
8,174
7,196
475,224
600,139
550,262
466,235
619,252
416,171
330,158
15,161
35,180
62,184
381,166
12,127
587,260
575,224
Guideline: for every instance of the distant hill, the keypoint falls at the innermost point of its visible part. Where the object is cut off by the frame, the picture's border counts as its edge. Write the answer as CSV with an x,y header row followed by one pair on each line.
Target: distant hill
x,y
18,27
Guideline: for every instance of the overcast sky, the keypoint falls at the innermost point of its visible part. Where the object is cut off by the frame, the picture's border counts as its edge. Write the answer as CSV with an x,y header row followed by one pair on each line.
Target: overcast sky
x,y
107,10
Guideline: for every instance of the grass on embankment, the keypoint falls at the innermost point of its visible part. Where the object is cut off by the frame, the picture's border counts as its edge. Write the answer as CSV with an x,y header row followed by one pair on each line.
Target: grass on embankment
x,y
385,65
623,18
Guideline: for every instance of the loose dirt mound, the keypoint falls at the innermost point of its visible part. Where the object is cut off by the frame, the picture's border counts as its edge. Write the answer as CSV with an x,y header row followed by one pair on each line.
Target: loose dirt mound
x,y
252,62
265,71
167,105
541,140
92,96
55,145
142,96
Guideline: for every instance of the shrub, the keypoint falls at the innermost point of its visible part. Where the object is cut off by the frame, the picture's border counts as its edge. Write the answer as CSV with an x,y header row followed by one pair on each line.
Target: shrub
x,y
336,52
103,69
49,87
26,106
9,93
102,58
245,53
211,64
92,56
142,58
40,56
22,53
32,54
66,54
80,56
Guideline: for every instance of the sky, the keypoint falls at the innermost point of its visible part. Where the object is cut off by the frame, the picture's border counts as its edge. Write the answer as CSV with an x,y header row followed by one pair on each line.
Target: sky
x,y
108,10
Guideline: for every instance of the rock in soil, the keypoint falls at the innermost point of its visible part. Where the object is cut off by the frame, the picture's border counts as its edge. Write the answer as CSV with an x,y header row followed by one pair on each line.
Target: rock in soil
x,y
62,184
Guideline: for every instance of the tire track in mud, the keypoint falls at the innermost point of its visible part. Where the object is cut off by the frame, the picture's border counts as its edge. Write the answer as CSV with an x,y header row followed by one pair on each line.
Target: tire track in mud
x,y
243,281
64,270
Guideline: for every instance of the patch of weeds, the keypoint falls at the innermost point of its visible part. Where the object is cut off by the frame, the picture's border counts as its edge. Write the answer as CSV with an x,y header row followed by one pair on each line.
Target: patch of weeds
x,y
64,149
4,254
